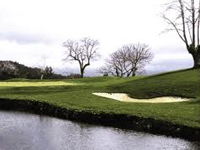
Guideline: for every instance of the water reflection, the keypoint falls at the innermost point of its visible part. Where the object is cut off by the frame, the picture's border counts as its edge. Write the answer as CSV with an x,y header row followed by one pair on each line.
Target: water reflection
x,y
20,131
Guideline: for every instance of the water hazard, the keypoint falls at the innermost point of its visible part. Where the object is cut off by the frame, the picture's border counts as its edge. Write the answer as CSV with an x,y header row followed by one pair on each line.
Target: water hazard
x,y
22,131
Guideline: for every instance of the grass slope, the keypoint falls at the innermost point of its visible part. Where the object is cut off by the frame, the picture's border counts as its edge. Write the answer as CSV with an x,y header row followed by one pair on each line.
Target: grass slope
x,y
182,83
185,83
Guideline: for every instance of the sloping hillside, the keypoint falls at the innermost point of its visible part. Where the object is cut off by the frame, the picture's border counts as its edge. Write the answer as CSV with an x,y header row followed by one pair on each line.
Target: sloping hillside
x,y
10,69
79,97
185,83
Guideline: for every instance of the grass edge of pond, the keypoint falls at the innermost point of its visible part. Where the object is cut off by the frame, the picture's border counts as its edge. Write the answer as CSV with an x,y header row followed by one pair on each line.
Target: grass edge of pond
x,y
123,121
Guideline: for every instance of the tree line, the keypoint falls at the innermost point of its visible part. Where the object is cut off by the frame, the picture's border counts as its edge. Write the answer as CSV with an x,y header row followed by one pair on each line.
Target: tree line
x,y
124,62
10,69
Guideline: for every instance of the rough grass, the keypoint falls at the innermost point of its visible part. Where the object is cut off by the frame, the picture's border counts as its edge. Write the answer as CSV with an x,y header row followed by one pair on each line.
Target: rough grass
x,y
184,83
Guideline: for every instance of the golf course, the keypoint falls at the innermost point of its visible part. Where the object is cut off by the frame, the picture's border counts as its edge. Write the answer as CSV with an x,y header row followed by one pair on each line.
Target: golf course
x,y
77,95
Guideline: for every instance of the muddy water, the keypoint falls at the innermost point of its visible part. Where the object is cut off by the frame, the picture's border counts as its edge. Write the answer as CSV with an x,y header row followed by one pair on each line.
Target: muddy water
x,y
21,131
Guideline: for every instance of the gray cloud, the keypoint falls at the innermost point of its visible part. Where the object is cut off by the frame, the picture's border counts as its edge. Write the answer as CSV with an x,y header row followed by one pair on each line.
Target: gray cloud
x,y
168,65
24,38
30,29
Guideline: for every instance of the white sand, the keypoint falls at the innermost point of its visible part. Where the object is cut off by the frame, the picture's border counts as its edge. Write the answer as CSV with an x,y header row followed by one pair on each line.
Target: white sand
x,y
125,98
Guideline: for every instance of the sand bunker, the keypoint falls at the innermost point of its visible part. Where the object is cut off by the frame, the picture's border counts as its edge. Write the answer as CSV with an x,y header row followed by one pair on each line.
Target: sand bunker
x,y
125,98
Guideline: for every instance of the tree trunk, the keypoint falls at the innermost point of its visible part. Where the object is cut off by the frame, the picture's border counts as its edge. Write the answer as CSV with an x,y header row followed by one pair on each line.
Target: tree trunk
x,y
195,52
134,69
82,72
129,73
196,58
133,74
117,72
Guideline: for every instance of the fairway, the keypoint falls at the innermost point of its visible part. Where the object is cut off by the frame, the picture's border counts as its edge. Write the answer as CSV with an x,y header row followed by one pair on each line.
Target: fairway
x,y
76,94
35,84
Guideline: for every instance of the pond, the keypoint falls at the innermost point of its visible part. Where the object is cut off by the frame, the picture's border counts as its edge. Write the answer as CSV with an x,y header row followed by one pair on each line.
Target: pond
x,y
23,131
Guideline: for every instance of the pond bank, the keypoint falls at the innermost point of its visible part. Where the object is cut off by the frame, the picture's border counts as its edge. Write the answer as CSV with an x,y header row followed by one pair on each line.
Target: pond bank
x,y
115,120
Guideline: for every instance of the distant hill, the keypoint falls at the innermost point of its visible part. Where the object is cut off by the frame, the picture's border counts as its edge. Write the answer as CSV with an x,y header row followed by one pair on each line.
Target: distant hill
x,y
10,69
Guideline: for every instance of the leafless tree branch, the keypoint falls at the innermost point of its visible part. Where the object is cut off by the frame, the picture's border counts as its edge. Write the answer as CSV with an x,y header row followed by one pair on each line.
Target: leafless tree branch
x,y
128,60
82,51
186,24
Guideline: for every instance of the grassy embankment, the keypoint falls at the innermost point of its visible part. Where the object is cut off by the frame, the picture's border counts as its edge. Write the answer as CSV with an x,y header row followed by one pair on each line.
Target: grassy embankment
x,y
77,94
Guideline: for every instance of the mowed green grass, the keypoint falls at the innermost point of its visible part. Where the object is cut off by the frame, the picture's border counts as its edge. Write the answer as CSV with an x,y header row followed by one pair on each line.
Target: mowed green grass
x,y
77,94
34,84
184,83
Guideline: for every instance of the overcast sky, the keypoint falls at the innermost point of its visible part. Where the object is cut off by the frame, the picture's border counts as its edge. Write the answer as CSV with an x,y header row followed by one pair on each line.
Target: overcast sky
x,y
31,30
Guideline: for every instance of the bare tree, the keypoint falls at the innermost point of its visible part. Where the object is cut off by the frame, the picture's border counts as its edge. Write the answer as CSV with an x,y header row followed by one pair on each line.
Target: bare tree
x,y
138,55
82,51
186,24
127,60
108,69
113,66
